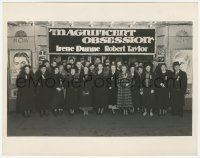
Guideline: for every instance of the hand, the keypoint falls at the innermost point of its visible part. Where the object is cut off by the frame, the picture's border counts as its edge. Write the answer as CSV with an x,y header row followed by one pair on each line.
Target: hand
x,y
58,89
152,91
110,87
162,85
141,93
127,85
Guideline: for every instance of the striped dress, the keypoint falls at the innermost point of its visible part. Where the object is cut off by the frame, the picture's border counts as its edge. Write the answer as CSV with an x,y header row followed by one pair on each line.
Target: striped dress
x,y
124,98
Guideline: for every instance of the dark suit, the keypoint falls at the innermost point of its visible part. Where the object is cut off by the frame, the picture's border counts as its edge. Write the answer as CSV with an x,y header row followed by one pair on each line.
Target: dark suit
x,y
178,90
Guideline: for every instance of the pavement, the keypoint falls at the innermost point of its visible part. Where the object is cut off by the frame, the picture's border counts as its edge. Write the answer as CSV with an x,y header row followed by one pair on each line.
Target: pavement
x,y
99,125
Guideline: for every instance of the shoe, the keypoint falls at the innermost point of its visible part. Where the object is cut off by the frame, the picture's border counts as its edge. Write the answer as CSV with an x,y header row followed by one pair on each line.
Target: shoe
x,y
46,113
145,113
151,113
160,112
41,113
101,111
113,111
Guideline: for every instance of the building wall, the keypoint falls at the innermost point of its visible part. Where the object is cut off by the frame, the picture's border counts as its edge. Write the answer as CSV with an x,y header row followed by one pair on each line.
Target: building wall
x,y
174,43
34,38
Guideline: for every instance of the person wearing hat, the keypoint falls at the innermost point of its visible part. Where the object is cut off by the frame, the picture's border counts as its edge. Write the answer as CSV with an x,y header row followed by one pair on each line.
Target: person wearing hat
x,y
155,67
47,64
43,90
178,89
26,91
72,86
148,90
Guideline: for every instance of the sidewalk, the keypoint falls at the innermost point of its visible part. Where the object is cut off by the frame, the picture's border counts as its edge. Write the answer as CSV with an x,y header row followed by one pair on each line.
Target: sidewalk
x,y
104,125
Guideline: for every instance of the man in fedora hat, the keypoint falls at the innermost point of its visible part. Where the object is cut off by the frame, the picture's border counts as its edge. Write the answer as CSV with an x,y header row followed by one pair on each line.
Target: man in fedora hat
x,y
178,89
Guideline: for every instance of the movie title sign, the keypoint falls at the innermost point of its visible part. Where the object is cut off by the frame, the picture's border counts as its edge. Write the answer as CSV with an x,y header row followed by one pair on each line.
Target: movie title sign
x,y
91,40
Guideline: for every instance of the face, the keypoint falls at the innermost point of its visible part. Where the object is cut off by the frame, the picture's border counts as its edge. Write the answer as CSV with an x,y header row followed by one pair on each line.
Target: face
x,y
136,64
140,64
92,67
27,70
132,69
78,64
43,69
148,68
163,68
61,67
97,61
73,71
140,70
47,64
100,67
177,67
68,66
113,68
54,64
71,61
86,70
155,63
64,63
19,62
124,69
107,63
82,61
119,63
56,71
87,63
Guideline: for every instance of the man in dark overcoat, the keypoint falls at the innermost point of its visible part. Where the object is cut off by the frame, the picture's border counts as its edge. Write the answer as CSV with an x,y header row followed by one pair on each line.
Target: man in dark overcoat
x,y
178,89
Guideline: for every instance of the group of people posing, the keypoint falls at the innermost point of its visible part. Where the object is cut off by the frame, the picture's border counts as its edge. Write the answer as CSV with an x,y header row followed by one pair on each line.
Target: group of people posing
x,y
147,88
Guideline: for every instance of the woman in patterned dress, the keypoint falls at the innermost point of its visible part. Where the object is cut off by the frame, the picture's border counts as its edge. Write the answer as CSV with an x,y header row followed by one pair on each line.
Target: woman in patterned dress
x,y
124,98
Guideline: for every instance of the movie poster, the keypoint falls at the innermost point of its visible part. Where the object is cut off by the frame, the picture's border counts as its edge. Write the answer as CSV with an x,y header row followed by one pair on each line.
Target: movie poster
x,y
185,59
18,59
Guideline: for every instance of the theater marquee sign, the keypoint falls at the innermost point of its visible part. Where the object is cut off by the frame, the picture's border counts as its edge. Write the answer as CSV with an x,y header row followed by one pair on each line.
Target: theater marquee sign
x,y
104,41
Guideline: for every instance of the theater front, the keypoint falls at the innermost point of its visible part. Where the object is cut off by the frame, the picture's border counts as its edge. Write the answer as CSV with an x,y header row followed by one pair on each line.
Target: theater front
x,y
33,42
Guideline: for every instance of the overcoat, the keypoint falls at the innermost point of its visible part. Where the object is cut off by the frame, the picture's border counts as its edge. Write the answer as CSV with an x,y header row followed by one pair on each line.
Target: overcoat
x,y
57,98
26,92
44,85
86,91
162,86
178,90
135,89
147,86
112,90
100,90
73,85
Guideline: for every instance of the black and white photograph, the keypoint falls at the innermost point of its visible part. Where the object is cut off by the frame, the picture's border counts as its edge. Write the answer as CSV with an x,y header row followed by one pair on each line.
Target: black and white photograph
x,y
84,78
100,79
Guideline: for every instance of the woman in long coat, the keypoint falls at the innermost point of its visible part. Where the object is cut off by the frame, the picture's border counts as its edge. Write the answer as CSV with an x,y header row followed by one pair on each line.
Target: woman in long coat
x,y
135,88
124,98
112,90
72,91
57,98
43,90
162,88
26,91
86,91
100,90
148,90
